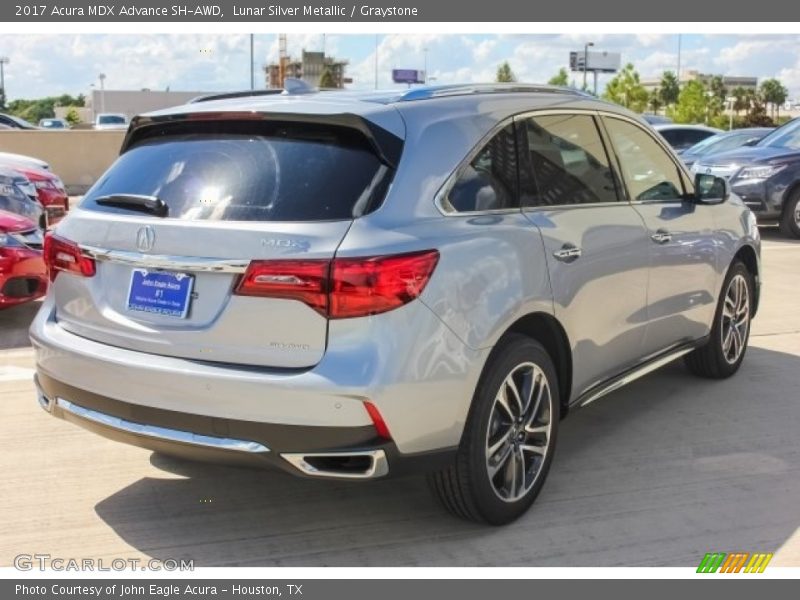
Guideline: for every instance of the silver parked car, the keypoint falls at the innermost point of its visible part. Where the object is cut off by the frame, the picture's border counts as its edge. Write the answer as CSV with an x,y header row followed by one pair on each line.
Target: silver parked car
x,y
353,286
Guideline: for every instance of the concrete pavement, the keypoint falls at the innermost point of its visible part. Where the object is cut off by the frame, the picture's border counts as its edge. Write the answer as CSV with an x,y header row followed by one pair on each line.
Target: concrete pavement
x,y
656,474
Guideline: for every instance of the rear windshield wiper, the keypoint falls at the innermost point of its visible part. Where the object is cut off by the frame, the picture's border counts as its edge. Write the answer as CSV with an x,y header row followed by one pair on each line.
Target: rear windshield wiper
x,y
149,204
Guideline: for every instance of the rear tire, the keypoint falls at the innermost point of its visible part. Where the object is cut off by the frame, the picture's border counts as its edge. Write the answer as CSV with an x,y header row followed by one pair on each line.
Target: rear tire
x,y
790,221
722,355
509,438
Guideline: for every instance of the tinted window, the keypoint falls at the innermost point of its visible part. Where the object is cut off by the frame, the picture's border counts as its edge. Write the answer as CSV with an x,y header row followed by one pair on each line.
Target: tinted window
x,y
648,171
285,176
786,136
684,138
489,182
568,162
111,120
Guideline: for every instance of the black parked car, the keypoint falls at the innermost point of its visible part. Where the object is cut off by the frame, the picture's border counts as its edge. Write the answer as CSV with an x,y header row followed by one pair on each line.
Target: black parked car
x,y
766,176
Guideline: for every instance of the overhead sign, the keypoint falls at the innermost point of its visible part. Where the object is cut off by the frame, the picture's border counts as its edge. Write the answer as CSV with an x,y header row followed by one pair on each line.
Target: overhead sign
x,y
602,62
408,76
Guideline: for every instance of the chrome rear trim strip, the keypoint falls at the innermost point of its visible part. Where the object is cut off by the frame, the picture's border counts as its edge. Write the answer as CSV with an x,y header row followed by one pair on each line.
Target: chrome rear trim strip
x,y
162,261
161,433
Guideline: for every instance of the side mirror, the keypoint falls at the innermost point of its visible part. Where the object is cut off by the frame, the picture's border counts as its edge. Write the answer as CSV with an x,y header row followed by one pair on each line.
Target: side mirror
x,y
752,142
709,189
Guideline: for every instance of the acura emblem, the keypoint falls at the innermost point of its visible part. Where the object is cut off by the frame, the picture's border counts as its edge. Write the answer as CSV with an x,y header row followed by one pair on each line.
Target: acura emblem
x,y
708,171
145,238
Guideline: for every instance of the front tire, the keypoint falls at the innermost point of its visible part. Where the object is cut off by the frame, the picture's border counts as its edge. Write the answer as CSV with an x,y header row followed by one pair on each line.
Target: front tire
x,y
509,437
790,220
724,352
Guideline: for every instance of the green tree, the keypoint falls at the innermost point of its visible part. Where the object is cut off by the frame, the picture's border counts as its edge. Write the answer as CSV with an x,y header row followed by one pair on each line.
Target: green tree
x,y
627,90
692,104
717,88
773,93
505,74
654,101
741,99
2,99
72,117
326,80
670,88
562,78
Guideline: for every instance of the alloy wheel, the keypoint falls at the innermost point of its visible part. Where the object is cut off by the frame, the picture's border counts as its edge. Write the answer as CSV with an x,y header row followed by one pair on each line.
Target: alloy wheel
x,y
518,436
735,319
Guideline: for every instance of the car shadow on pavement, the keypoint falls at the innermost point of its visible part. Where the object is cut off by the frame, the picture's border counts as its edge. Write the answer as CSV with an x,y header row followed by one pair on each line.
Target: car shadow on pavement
x,y
775,236
656,474
14,324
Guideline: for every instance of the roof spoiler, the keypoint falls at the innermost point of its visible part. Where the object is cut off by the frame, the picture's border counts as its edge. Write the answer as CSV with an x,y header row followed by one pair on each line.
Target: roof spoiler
x,y
386,145
291,87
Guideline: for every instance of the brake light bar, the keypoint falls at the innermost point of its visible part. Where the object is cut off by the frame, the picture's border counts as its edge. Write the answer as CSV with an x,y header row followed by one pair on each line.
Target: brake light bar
x,y
63,255
343,287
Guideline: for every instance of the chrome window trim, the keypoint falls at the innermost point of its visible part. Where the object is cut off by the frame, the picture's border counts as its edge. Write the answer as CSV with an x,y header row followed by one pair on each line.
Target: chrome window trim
x,y
162,261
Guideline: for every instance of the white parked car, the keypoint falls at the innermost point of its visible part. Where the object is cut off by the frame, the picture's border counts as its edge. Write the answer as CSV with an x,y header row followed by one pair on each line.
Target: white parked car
x,y
111,121
9,158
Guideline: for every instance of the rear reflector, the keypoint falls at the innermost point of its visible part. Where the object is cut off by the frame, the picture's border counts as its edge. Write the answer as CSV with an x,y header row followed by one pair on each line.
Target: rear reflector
x,y
64,255
344,287
377,420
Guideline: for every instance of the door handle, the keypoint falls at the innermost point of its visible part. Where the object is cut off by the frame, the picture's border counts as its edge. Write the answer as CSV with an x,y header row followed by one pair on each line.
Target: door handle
x,y
568,253
662,236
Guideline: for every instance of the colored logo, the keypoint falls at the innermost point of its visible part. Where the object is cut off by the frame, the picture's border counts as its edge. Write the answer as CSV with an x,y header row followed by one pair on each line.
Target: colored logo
x,y
735,562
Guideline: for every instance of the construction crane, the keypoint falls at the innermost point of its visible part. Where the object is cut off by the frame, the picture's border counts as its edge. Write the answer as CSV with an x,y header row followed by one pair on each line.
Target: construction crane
x,y
283,58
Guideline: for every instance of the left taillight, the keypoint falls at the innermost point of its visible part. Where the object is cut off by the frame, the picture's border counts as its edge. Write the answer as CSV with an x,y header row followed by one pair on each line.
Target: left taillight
x,y
63,255
343,288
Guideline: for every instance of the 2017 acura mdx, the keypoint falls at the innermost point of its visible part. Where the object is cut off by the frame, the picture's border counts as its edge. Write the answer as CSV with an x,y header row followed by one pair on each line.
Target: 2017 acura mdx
x,y
361,285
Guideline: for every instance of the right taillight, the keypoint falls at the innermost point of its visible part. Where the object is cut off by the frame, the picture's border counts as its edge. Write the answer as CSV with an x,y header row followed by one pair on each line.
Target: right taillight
x,y
64,255
344,287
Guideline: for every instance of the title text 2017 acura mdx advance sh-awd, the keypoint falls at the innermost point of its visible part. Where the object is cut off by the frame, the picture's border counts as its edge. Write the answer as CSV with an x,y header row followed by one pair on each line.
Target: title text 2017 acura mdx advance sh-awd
x,y
361,285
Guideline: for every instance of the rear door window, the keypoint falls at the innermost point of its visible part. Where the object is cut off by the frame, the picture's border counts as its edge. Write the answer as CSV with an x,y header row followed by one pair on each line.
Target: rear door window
x,y
566,162
281,175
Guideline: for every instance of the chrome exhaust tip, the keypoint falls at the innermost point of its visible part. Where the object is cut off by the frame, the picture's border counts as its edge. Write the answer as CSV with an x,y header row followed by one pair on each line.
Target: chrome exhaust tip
x,y
366,464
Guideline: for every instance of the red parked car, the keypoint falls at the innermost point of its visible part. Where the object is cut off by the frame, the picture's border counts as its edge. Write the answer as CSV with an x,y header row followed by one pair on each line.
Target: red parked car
x,y
23,275
50,191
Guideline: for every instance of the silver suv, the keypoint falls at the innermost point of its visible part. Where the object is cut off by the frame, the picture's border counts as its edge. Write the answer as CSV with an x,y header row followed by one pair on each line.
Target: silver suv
x,y
360,285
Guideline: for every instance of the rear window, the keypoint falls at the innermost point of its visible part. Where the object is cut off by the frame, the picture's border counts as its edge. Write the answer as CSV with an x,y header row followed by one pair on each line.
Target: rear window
x,y
111,120
284,175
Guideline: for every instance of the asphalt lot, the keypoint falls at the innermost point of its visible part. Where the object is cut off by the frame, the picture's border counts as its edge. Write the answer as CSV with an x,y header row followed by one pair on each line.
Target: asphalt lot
x,y
656,474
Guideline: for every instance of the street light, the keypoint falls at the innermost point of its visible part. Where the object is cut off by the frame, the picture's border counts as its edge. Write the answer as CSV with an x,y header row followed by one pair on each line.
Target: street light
x,y
586,61
102,78
4,60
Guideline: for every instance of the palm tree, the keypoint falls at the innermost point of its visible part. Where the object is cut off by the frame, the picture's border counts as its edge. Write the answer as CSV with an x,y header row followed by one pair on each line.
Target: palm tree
x,y
741,100
670,88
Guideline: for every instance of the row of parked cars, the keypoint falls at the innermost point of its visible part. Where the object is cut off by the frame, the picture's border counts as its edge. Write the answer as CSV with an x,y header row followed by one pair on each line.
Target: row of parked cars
x,y
103,121
762,165
32,198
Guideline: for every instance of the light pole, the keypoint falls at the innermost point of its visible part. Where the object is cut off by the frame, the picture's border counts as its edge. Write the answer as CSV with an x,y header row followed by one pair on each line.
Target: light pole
x,y
102,78
586,61
4,60
252,66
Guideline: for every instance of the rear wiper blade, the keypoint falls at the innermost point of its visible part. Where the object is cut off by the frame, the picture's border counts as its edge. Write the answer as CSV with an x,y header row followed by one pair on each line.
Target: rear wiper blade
x,y
149,204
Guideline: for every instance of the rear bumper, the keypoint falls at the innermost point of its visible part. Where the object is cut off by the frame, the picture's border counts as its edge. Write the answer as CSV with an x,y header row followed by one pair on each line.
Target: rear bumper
x,y
406,363
344,453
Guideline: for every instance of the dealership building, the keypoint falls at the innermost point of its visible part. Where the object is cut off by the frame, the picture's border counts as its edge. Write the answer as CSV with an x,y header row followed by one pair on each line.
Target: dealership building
x,y
731,82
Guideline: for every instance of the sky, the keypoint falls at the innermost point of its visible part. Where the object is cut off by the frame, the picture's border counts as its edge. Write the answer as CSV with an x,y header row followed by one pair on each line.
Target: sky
x,y
45,65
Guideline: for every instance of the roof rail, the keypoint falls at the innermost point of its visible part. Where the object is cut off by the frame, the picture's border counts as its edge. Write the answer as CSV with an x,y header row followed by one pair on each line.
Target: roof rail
x,y
439,91
291,87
